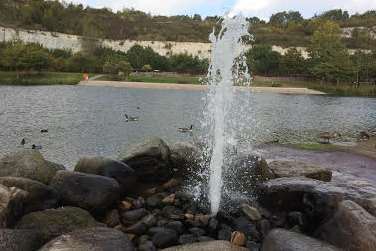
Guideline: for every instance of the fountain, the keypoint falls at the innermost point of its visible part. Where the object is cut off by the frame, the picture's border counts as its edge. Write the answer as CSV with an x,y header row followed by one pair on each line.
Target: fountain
x,y
228,69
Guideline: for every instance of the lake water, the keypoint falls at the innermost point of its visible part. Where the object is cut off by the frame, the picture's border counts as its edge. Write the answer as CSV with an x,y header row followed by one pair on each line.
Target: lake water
x,y
89,121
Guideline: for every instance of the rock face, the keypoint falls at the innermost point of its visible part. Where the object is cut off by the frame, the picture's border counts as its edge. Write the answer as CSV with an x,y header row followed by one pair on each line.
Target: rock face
x,y
122,173
92,192
150,160
51,223
319,199
39,196
19,240
207,246
11,205
91,239
282,169
27,164
283,240
351,228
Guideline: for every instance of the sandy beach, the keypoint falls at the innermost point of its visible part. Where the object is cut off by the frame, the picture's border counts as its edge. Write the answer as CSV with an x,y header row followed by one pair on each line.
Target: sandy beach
x,y
142,85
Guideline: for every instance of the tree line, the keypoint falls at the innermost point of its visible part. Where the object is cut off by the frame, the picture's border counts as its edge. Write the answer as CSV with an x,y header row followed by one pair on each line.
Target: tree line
x,y
287,28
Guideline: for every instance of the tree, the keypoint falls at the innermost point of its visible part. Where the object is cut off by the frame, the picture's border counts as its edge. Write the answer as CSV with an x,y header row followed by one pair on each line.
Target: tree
x,y
139,56
329,57
293,62
283,18
261,59
335,15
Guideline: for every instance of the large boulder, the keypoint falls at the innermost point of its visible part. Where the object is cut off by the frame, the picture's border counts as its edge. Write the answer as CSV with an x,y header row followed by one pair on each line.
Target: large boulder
x,y
185,158
315,197
284,240
351,228
207,246
150,160
91,239
92,192
11,204
51,223
282,169
122,173
27,164
39,196
19,240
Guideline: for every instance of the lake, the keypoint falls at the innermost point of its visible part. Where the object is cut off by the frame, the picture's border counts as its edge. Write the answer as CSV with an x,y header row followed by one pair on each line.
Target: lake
x,y
89,121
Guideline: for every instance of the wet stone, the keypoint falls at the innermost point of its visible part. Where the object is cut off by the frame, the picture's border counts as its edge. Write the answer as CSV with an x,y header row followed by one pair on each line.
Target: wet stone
x,y
176,225
197,231
187,239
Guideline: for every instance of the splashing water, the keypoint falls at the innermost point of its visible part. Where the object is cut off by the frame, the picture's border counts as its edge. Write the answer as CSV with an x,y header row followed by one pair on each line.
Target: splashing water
x,y
228,69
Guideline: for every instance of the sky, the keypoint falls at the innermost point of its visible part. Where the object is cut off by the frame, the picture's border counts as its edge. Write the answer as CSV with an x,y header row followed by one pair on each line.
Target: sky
x,y
260,8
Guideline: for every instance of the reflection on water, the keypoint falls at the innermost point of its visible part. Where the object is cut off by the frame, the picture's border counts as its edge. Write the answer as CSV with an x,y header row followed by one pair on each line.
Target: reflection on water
x,y
90,120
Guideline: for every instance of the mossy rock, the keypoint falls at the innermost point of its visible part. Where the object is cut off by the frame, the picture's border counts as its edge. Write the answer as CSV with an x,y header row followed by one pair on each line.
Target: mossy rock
x,y
27,164
51,223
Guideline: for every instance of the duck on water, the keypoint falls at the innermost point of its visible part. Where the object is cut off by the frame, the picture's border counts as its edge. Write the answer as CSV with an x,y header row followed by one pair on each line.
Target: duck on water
x,y
185,129
129,118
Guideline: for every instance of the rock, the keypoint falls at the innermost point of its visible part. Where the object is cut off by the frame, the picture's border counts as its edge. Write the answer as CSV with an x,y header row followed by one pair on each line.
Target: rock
x,y
163,237
169,199
176,226
264,227
242,224
204,238
11,205
172,183
213,226
92,192
39,196
51,223
224,233
142,226
351,228
284,240
91,239
207,246
252,246
295,218
184,157
132,216
147,246
282,169
155,200
55,166
125,205
150,160
197,231
187,239
27,164
316,199
252,213
19,240
238,239
173,213
112,218
122,173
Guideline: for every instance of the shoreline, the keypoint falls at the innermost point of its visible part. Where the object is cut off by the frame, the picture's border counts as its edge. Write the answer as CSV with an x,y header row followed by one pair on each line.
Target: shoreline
x,y
143,85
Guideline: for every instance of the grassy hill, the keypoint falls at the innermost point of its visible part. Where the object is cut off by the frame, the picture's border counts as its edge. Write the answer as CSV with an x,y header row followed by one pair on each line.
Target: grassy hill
x,y
286,29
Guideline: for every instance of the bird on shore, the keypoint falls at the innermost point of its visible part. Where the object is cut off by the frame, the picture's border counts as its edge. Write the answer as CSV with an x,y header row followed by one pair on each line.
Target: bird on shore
x,y
129,118
185,129
23,141
327,136
364,135
36,147
44,131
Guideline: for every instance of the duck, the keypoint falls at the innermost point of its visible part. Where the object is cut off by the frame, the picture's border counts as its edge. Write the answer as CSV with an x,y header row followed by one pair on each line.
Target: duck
x,y
185,129
35,147
44,131
23,141
327,136
129,118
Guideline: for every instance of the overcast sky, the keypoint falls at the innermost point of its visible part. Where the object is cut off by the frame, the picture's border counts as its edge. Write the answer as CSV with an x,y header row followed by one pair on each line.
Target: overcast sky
x,y
260,8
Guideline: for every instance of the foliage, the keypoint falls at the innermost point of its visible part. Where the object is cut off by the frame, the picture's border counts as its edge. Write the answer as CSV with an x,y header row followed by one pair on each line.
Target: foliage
x,y
185,63
139,56
329,57
261,59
